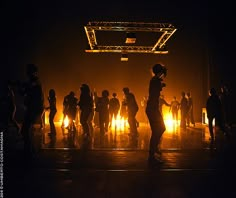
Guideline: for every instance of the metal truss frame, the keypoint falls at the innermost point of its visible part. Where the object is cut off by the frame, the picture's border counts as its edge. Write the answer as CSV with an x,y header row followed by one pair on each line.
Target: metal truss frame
x,y
166,30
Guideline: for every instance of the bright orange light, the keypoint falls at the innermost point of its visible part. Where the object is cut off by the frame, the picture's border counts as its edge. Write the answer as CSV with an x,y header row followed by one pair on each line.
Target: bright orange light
x,y
204,117
169,122
66,121
119,124
46,117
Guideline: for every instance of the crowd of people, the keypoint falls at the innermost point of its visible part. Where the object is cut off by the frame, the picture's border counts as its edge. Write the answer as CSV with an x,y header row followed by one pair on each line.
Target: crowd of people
x,y
89,104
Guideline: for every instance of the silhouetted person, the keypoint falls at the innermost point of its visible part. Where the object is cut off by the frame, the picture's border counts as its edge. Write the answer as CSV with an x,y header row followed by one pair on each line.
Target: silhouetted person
x,y
53,110
91,122
190,117
114,107
34,107
143,104
132,109
183,110
214,111
227,104
96,114
174,108
123,109
65,108
153,112
10,105
86,109
162,102
102,107
72,110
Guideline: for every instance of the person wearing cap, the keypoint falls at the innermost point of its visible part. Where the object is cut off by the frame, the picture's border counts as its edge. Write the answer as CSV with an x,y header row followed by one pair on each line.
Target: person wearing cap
x,y
153,112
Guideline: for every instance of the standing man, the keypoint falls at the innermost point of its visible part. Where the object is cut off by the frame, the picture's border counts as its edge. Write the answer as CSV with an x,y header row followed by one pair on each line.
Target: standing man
x,y
183,110
86,105
190,117
72,110
214,111
153,112
132,109
174,109
102,107
227,104
34,107
52,100
114,107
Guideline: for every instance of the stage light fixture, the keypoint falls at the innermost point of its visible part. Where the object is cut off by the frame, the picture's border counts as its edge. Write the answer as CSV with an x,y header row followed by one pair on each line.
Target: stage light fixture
x,y
130,38
124,57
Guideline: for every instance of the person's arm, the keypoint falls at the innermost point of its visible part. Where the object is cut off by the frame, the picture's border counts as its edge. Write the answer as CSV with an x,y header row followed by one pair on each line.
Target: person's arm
x,y
166,103
170,106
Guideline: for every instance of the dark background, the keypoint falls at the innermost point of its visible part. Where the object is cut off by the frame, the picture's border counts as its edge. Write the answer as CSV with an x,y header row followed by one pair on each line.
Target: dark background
x,y
51,34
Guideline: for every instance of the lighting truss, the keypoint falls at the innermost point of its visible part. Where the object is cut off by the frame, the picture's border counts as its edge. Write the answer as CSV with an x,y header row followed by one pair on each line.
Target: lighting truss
x,y
166,30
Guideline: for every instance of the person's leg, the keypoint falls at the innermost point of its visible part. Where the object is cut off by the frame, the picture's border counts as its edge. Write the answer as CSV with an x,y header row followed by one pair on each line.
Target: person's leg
x,y
51,122
84,122
106,121
28,134
221,123
132,124
210,127
90,122
153,145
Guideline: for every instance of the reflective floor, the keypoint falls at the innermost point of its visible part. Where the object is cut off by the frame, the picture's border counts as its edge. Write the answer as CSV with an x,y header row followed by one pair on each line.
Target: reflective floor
x,y
117,138
115,166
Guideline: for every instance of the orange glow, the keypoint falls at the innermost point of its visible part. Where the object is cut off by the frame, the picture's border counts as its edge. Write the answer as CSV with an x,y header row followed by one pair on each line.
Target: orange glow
x,y
169,122
204,117
119,124
46,117
66,121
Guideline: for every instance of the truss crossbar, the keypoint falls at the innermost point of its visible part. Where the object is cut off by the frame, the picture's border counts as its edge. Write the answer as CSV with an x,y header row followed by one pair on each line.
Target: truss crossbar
x,y
166,29
126,49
